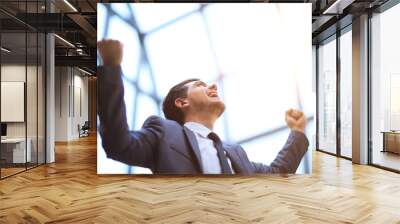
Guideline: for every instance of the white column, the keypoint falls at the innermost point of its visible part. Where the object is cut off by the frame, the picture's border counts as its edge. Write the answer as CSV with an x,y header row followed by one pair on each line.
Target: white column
x,y
50,93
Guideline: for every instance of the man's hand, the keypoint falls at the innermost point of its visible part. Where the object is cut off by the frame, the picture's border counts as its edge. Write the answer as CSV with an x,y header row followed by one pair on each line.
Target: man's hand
x,y
110,51
295,120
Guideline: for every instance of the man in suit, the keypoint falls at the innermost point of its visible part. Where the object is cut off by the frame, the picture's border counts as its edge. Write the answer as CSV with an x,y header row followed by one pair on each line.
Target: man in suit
x,y
184,142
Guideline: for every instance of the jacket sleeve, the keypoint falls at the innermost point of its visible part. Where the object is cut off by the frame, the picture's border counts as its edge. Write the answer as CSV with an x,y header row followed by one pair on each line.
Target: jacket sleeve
x,y
131,147
289,158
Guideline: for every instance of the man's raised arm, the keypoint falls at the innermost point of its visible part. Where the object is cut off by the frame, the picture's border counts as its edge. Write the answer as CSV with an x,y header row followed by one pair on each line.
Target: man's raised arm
x,y
135,147
289,158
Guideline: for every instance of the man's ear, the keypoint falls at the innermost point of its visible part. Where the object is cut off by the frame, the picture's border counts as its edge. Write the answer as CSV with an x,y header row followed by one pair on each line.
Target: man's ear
x,y
181,102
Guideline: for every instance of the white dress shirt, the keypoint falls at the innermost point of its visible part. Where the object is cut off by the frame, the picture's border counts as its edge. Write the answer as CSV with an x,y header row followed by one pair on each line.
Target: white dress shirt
x,y
208,152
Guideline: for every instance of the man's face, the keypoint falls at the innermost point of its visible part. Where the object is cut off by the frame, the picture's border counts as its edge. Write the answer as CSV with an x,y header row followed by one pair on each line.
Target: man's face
x,y
203,97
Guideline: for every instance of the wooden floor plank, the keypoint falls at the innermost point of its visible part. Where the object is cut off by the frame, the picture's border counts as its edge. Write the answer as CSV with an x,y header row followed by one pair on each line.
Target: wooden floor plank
x,y
70,191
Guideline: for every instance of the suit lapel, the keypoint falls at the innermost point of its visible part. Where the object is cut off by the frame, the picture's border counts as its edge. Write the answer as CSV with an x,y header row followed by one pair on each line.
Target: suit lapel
x,y
194,145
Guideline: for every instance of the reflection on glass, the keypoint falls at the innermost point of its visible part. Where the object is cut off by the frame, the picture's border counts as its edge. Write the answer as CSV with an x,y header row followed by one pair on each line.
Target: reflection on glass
x,y
385,88
346,94
327,96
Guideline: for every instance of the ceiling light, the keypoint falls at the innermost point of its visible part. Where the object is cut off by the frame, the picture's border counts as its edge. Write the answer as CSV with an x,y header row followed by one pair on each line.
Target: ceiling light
x,y
71,6
65,41
5,50
86,72
338,6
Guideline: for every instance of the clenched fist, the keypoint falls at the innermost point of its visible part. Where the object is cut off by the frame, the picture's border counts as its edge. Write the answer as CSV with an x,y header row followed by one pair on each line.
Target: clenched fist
x,y
110,51
295,120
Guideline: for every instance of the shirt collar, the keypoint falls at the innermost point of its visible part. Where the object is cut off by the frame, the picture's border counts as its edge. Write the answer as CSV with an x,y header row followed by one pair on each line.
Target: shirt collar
x,y
198,128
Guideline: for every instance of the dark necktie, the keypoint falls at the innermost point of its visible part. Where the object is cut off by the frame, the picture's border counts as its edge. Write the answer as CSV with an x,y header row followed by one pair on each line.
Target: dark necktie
x,y
226,169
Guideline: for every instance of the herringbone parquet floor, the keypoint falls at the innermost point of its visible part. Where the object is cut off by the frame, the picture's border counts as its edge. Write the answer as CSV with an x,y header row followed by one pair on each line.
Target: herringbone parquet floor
x,y
70,191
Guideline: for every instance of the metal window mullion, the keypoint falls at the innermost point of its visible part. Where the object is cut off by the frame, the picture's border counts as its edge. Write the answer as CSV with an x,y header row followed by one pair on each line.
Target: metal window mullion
x,y
369,90
0,94
317,95
37,91
26,88
338,97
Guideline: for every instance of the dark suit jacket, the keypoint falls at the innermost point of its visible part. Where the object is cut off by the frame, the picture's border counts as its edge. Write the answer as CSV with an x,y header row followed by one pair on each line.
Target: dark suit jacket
x,y
167,147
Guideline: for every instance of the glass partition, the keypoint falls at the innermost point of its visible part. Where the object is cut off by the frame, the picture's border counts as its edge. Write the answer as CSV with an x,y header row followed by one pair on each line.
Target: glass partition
x,y
13,103
385,89
22,89
31,100
346,93
327,96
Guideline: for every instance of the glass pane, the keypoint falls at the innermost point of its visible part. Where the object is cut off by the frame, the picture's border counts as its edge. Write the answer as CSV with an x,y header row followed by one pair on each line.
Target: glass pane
x,y
181,51
346,94
257,53
327,96
101,20
146,80
129,37
146,107
122,9
108,166
32,98
152,15
265,149
41,99
13,86
129,98
386,89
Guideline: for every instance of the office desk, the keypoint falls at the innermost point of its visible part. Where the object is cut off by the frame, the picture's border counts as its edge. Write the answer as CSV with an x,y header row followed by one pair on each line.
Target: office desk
x,y
13,150
391,141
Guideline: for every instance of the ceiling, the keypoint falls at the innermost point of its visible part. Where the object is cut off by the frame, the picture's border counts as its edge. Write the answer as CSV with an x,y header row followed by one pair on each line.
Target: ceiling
x,y
75,21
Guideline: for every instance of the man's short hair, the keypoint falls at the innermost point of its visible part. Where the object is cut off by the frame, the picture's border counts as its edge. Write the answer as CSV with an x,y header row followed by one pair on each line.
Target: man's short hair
x,y
171,111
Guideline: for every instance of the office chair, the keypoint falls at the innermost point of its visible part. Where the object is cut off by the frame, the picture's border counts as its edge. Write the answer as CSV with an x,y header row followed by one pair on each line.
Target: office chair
x,y
84,130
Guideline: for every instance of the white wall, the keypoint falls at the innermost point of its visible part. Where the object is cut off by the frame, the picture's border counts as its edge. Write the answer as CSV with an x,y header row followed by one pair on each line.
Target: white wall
x,y
12,73
71,94
33,126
